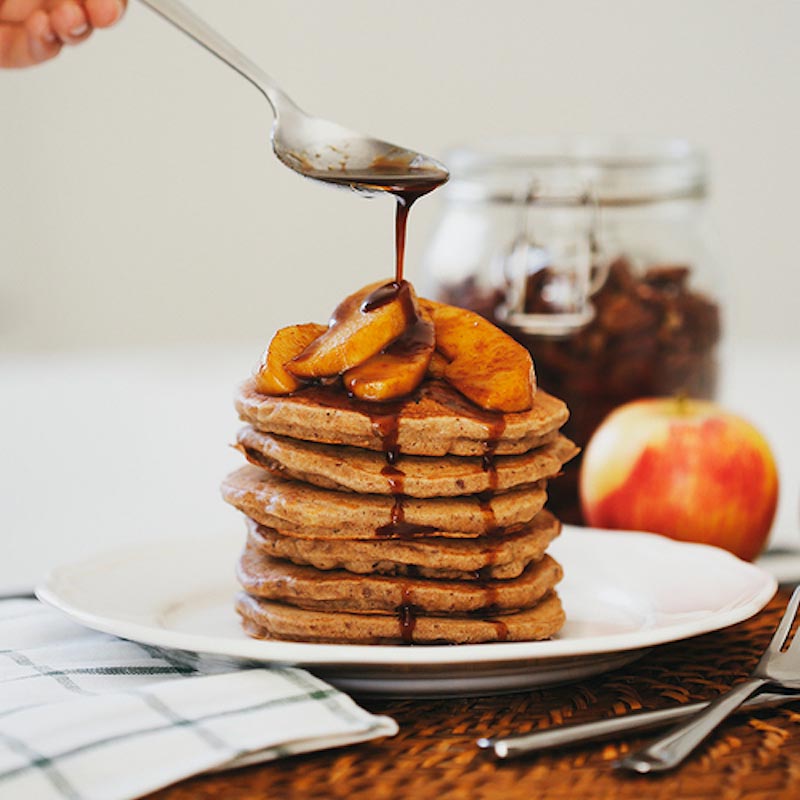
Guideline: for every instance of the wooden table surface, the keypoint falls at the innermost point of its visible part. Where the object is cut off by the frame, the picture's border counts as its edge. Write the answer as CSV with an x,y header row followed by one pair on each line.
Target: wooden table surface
x,y
754,755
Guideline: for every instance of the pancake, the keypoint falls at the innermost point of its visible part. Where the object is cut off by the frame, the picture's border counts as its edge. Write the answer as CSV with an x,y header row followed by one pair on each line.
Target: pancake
x,y
357,470
305,587
299,509
264,619
498,557
434,421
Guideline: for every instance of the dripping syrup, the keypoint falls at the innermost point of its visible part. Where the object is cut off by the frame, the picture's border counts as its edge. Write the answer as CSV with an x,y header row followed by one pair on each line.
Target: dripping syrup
x,y
501,629
490,606
407,616
397,527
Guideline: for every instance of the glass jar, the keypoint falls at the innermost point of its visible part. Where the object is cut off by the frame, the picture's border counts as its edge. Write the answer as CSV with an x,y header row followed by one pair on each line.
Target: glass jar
x,y
592,254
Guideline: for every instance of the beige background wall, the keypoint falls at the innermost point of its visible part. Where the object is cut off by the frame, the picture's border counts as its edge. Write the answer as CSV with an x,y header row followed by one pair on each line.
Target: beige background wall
x,y
139,202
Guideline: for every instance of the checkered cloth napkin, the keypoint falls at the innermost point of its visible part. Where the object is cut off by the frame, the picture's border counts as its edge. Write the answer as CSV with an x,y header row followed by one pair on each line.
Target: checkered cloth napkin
x,y
84,715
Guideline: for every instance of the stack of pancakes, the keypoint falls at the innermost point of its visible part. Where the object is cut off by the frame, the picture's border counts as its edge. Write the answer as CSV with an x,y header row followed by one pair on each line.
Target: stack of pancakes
x,y
416,521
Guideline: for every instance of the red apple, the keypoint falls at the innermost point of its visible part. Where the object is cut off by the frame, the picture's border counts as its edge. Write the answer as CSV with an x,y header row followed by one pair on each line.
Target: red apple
x,y
685,468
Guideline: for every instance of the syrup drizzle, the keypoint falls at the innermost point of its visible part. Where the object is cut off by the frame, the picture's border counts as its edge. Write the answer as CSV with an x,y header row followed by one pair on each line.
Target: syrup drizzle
x,y
404,202
407,615
397,527
386,422
501,629
387,175
494,432
495,426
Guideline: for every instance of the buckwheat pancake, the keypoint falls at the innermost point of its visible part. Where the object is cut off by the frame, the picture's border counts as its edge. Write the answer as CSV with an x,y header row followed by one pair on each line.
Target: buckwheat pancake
x,y
357,470
265,619
306,587
300,509
435,421
498,557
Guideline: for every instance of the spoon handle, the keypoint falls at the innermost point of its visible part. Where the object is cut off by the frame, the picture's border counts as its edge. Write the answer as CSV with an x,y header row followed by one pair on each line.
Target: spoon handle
x,y
187,21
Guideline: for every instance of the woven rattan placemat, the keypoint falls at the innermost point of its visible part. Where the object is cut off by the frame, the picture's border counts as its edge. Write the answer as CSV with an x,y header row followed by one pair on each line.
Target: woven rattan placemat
x,y
434,755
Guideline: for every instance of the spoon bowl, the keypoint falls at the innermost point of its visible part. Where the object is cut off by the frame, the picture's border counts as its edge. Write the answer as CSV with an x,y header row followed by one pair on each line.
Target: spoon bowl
x,y
325,151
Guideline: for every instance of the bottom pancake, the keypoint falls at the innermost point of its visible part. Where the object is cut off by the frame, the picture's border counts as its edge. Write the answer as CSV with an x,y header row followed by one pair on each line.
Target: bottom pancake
x,y
263,619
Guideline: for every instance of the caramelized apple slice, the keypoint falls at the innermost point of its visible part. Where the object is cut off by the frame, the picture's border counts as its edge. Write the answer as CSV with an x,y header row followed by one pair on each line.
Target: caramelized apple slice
x,y
399,368
361,326
486,364
271,377
438,365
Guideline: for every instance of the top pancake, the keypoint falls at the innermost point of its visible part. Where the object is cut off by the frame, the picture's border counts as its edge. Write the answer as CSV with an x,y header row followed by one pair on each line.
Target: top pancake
x,y
435,421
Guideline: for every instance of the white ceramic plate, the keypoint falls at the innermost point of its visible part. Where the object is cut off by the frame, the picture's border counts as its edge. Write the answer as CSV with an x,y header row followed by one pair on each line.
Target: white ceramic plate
x,y
623,593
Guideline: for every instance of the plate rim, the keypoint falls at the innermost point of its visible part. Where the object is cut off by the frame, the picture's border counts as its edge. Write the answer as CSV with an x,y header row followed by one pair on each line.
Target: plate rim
x,y
319,654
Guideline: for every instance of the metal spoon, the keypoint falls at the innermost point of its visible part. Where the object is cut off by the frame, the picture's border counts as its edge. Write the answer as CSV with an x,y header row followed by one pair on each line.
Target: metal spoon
x,y
316,148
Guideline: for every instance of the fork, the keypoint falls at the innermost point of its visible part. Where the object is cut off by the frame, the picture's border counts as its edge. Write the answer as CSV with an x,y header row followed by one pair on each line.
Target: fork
x,y
777,669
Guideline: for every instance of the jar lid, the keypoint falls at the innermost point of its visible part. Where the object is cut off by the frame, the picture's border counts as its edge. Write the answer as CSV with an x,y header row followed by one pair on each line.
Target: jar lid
x,y
616,171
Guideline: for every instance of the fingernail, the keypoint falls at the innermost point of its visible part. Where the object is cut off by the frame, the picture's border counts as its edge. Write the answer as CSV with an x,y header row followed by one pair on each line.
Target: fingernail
x,y
79,30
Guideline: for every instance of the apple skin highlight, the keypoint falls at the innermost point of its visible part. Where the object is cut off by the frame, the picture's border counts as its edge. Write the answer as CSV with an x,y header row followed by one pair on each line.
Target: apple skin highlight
x,y
683,468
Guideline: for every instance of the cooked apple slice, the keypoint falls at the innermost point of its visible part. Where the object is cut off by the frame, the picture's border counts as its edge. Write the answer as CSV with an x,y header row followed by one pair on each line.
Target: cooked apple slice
x,y
271,376
486,364
399,368
438,365
361,326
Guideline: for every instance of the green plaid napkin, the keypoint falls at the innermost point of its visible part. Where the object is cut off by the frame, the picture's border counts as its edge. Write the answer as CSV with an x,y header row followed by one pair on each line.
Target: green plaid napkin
x,y
87,716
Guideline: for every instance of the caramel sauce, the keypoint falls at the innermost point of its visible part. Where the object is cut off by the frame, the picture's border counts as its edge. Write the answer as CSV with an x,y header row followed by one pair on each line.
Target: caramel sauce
x,y
494,432
407,616
500,628
398,528
383,295
406,194
387,426
485,505
408,621
390,174
404,203
490,592
495,426
489,597
419,334
419,337
395,477
485,572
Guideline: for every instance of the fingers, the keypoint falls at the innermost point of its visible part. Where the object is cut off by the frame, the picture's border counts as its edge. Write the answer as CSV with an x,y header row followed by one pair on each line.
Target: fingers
x,y
20,10
32,31
103,13
70,22
43,43
22,45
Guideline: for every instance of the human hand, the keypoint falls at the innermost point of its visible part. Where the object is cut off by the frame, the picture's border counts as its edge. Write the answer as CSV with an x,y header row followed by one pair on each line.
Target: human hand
x,y
32,31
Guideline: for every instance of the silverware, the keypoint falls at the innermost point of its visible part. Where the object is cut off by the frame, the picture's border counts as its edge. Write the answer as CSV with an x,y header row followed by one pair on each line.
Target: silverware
x,y
316,148
598,730
777,668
